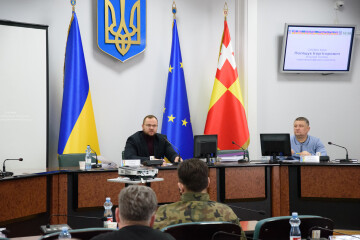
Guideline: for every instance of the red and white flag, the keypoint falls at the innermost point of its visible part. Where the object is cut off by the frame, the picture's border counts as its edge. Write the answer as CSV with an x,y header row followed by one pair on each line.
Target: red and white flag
x,y
226,115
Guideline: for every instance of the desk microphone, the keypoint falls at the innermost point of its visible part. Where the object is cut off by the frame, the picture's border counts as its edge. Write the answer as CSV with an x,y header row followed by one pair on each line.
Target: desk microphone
x,y
97,165
248,209
178,151
347,156
51,228
4,172
329,230
233,142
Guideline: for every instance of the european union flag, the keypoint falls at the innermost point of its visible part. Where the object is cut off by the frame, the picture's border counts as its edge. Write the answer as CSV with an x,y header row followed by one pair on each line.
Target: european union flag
x,y
176,119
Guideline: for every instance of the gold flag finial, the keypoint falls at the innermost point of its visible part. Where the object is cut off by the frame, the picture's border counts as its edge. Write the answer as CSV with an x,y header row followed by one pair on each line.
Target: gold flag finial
x,y
73,3
226,9
174,9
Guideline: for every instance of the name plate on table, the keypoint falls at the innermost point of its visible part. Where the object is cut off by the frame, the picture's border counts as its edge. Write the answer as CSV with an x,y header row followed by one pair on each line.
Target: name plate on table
x,y
131,163
310,159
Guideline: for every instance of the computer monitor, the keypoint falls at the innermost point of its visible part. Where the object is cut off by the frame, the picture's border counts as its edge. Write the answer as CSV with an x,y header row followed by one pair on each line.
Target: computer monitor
x,y
275,144
205,146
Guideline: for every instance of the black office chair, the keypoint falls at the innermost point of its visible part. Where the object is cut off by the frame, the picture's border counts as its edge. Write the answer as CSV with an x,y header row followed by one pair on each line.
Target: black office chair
x,y
204,231
278,228
83,234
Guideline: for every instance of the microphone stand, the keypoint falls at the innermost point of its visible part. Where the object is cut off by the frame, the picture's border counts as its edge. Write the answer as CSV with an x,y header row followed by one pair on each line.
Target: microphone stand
x,y
247,209
346,160
244,150
97,165
4,173
178,151
57,227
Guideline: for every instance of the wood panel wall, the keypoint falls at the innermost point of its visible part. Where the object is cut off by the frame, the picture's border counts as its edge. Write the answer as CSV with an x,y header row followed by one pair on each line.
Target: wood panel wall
x,y
22,197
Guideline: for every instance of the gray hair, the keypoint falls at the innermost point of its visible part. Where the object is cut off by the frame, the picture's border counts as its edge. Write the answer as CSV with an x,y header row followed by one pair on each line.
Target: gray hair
x,y
137,203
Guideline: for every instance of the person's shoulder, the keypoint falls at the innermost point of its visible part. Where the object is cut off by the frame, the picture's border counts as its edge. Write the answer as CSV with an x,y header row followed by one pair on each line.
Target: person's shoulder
x,y
168,206
106,236
223,206
314,139
136,135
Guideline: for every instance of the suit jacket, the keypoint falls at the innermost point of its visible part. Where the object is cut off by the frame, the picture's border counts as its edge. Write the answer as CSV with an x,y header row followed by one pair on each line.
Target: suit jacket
x,y
136,147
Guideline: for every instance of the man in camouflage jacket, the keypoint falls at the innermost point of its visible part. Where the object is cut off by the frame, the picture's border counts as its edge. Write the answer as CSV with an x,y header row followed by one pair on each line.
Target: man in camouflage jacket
x,y
195,204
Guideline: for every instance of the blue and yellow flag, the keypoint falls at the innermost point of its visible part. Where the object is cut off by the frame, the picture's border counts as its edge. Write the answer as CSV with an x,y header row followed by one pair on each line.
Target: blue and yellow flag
x,y
77,127
176,118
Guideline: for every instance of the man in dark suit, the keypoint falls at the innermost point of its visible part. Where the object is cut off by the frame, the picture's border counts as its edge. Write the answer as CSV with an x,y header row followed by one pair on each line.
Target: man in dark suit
x,y
148,143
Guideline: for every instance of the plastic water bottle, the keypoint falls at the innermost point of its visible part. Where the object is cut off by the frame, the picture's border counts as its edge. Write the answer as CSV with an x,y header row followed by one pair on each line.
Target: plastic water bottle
x,y
88,158
108,213
64,233
295,233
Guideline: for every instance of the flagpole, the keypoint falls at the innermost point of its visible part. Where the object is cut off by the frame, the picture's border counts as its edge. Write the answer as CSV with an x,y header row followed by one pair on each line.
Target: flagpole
x,y
174,10
226,9
73,3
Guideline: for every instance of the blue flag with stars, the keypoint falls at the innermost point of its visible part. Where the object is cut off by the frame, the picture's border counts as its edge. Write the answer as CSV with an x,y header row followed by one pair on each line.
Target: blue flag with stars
x,y
176,118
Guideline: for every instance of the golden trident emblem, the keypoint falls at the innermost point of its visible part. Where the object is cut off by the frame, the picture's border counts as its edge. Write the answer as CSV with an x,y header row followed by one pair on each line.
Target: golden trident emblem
x,y
123,38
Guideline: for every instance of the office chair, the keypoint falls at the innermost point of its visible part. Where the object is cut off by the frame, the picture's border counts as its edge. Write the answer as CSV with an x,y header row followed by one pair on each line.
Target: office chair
x,y
204,231
83,234
278,228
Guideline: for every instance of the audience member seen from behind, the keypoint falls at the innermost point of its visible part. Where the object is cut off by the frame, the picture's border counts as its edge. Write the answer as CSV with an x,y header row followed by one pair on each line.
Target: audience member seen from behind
x,y
148,143
303,144
195,204
135,216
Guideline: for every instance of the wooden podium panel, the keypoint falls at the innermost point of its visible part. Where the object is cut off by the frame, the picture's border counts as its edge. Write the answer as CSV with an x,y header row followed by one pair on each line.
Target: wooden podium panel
x,y
22,197
213,184
58,196
168,191
245,182
93,188
330,182
280,202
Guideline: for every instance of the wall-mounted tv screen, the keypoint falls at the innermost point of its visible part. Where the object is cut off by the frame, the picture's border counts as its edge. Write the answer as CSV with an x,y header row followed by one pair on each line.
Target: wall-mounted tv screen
x,y
317,48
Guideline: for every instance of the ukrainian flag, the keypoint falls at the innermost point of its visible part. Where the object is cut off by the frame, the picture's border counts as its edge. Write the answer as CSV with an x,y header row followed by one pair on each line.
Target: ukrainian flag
x,y
176,118
77,127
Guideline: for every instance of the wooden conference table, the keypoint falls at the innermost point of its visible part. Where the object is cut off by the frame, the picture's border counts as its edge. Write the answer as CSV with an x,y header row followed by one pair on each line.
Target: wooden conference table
x,y
327,189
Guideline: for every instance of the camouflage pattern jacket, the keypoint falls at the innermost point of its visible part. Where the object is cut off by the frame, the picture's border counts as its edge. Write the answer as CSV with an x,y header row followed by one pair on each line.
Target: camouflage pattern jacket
x,y
194,207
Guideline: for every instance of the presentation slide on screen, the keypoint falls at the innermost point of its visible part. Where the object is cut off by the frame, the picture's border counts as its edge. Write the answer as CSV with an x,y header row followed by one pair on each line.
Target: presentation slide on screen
x,y
318,48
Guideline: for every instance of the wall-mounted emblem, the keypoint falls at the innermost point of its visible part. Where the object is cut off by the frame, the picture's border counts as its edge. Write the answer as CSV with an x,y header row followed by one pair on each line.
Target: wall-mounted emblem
x,y
122,27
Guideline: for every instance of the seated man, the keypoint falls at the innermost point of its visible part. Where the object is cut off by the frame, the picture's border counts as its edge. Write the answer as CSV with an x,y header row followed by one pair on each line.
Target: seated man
x,y
147,142
195,204
135,216
303,144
